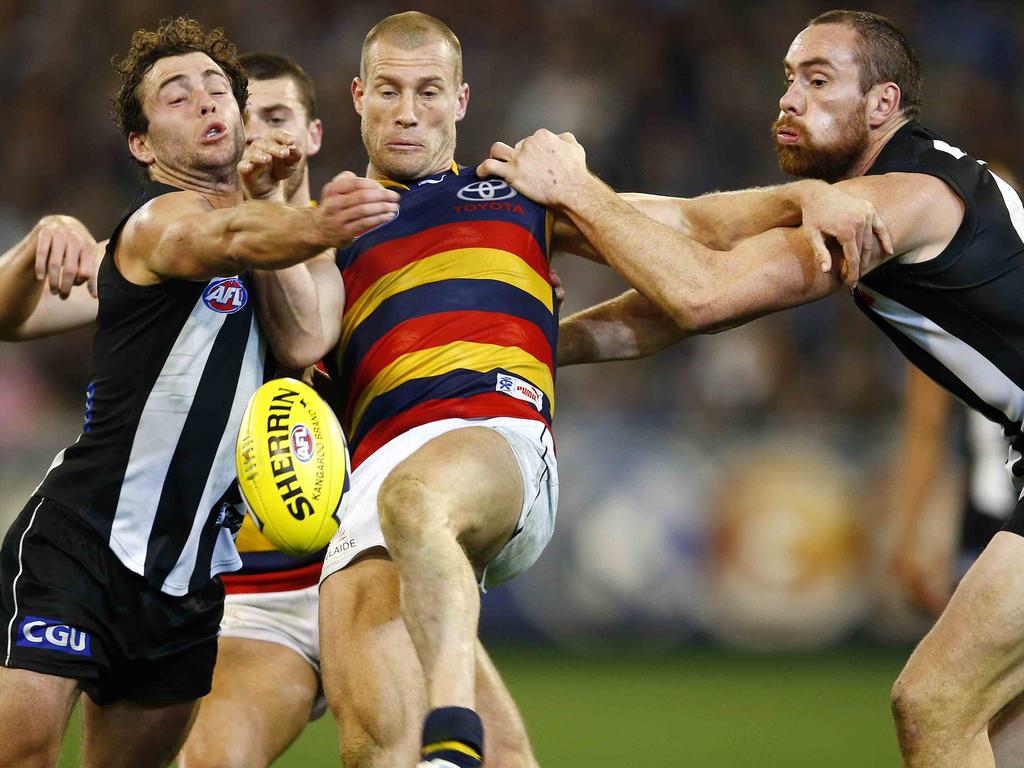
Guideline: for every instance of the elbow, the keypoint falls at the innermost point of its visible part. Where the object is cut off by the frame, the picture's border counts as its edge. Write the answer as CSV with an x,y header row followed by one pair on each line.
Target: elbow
x,y
694,314
301,355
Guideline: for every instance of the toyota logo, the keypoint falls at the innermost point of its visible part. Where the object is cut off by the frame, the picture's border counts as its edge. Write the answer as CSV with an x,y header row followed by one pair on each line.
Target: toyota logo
x,y
485,191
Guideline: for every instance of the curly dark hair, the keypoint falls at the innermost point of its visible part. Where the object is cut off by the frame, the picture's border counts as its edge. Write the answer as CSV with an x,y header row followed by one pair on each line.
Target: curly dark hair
x,y
172,38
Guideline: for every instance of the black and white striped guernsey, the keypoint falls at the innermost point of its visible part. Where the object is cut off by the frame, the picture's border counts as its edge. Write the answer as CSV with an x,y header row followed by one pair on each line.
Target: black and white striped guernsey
x,y
173,366
960,316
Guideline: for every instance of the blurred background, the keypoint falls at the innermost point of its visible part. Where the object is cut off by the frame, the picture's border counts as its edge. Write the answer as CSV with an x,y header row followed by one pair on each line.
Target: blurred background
x,y
722,586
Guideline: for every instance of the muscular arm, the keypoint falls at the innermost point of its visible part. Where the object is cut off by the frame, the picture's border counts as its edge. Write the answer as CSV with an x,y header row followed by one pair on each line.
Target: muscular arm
x,y
300,309
718,220
704,290
180,235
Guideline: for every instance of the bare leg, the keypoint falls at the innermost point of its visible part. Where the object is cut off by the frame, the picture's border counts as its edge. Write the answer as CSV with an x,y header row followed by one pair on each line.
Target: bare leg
x,y
261,699
448,508
968,667
372,678
374,682
34,711
132,735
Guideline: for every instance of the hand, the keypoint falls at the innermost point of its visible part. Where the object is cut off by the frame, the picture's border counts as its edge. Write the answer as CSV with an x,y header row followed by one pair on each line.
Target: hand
x,y
924,583
350,205
544,167
66,254
268,162
556,283
852,221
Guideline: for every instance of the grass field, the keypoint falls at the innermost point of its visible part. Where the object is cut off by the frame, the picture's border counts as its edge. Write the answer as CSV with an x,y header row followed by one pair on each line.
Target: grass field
x,y
700,707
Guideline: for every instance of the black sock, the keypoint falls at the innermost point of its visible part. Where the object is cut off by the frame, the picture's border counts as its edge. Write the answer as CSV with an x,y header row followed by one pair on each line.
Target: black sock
x,y
454,734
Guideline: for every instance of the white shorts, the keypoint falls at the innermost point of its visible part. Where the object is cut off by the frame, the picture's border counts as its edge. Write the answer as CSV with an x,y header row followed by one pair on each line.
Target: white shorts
x,y
534,450
289,618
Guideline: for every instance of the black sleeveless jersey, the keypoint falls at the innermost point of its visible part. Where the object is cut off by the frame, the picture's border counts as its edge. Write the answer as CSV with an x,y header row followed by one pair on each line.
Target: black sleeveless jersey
x,y
173,366
960,316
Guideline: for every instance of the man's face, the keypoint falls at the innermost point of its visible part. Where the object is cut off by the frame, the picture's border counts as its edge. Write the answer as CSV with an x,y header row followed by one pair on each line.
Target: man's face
x,y
822,127
277,103
409,105
194,124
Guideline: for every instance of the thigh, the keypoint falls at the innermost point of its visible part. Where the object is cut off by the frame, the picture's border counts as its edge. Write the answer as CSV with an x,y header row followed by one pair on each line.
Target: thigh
x,y
34,711
982,629
473,484
371,674
128,734
261,699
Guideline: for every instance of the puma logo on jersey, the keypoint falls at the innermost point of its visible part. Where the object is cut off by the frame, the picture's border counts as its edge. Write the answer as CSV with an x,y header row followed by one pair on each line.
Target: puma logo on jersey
x,y
226,295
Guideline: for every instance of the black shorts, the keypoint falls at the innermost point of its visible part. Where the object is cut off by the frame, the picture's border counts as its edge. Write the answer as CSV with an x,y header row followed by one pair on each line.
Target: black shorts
x,y
70,608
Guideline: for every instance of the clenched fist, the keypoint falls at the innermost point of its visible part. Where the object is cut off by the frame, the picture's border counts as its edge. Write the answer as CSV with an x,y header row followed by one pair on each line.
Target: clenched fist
x,y
350,205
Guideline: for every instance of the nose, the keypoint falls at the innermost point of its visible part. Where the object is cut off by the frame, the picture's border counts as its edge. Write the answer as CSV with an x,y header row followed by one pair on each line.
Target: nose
x,y
406,116
206,103
792,101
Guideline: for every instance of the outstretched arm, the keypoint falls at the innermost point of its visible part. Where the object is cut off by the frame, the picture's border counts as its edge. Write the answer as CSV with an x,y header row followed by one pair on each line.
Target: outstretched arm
x,y
704,289
624,328
58,253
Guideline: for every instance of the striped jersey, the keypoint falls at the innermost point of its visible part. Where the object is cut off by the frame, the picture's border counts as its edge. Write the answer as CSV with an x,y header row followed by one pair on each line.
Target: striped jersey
x,y
960,316
153,471
449,312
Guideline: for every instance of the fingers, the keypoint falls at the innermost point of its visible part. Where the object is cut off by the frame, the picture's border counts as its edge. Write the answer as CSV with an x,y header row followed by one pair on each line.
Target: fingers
x,y
501,151
68,273
879,228
851,255
867,242
43,251
93,271
820,249
58,245
494,168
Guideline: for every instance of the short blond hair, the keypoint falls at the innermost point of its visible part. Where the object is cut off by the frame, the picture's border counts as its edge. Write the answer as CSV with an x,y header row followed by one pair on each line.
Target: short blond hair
x,y
411,30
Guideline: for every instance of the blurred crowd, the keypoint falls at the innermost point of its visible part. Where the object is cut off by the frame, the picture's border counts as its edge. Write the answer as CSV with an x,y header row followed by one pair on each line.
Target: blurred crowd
x,y
667,96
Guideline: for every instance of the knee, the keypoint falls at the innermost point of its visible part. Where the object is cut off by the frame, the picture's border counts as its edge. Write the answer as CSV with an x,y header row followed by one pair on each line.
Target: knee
x,y
404,507
923,706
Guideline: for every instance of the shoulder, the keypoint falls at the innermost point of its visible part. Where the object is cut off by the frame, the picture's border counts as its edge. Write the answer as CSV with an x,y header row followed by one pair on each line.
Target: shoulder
x,y
147,225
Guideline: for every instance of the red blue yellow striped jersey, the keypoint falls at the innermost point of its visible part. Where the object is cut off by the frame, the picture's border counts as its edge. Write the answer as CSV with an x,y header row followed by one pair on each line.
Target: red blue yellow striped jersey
x,y
449,312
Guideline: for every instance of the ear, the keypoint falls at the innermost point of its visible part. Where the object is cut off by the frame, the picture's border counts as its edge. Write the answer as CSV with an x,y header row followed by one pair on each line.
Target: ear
x,y
462,104
883,103
358,94
316,137
138,145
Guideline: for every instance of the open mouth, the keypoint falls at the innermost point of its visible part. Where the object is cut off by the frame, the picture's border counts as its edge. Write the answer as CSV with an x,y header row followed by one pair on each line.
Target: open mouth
x,y
214,131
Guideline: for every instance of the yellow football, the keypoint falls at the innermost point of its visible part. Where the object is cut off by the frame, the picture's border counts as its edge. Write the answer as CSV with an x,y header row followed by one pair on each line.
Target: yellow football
x,y
293,466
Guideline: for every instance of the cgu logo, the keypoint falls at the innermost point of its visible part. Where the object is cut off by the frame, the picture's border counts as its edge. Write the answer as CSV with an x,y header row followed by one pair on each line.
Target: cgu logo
x,y
226,295
53,635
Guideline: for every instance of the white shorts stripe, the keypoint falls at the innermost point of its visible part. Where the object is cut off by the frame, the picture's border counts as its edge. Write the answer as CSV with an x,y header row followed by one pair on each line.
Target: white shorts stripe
x,y
14,586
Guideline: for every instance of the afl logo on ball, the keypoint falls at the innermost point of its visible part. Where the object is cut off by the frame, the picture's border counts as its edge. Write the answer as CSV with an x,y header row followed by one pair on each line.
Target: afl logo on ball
x,y
485,191
226,295
302,443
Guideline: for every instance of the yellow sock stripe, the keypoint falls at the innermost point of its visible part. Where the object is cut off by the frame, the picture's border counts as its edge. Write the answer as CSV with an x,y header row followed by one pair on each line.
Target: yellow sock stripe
x,y
454,746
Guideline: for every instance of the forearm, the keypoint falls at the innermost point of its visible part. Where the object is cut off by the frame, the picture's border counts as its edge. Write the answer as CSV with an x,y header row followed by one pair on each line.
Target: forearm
x,y
624,328
252,235
300,310
20,289
722,219
719,220
702,289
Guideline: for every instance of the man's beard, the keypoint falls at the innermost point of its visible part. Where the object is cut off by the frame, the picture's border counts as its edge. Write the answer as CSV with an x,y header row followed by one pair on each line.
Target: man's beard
x,y
814,161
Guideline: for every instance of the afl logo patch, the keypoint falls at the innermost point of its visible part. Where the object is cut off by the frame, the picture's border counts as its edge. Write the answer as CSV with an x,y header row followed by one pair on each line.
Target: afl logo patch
x,y
485,191
226,295
302,443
